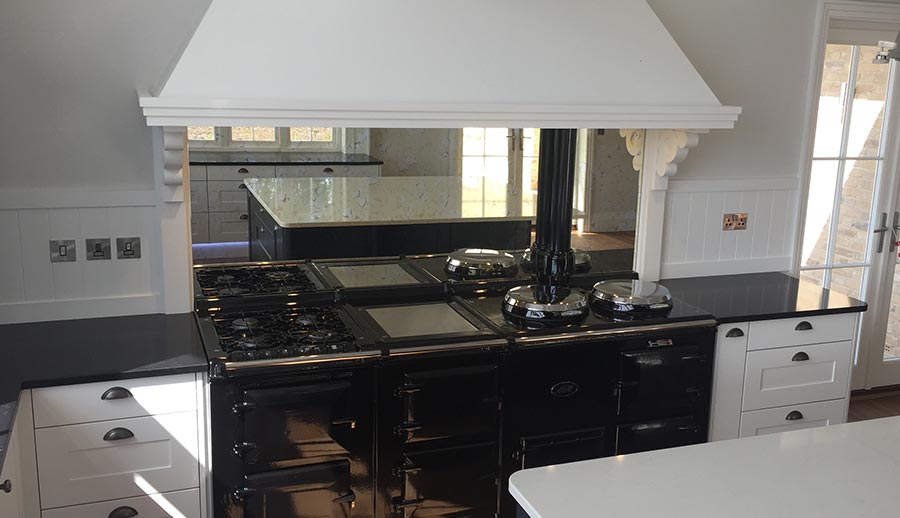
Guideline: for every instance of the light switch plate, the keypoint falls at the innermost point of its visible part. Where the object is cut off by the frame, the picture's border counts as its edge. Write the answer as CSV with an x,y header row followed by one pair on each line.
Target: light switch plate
x,y
62,250
128,247
97,249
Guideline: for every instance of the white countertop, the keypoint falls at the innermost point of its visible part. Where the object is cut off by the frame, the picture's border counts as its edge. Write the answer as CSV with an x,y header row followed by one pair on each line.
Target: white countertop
x,y
841,471
344,201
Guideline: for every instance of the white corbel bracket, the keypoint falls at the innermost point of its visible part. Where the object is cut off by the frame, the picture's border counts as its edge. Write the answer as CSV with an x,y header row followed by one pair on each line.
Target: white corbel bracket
x,y
658,152
174,164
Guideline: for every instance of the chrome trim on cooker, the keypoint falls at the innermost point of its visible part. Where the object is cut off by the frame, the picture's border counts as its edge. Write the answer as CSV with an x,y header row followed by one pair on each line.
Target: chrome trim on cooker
x,y
409,351
604,333
301,360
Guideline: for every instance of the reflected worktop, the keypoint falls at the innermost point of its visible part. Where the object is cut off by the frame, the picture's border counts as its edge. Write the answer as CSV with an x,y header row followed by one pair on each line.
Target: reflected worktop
x,y
344,201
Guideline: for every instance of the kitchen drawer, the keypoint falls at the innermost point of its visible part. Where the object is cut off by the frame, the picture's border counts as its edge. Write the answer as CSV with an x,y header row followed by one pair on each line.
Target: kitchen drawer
x,y
200,227
72,404
794,375
199,199
226,227
239,171
340,170
769,334
197,172
796,417
180,504
84,463
227,196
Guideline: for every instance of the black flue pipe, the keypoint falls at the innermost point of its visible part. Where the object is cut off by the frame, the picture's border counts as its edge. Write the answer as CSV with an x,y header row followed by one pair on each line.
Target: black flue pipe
x,y
551,253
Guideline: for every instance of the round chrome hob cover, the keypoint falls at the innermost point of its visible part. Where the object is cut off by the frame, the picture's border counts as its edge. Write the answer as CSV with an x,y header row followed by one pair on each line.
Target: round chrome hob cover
x,y
545,306
630,297
582,260
480,263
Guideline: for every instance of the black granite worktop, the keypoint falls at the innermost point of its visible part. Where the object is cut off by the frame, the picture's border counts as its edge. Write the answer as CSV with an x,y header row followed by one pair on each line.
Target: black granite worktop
x,y
66,352
272,158
760,296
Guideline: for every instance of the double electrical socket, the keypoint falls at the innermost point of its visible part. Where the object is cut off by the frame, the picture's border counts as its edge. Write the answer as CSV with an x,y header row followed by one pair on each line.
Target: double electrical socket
x,y
734,221
98,249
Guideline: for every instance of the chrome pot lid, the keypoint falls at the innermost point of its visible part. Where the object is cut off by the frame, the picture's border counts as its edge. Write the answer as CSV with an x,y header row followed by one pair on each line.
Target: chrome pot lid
x,y
629,292
558,300
480,261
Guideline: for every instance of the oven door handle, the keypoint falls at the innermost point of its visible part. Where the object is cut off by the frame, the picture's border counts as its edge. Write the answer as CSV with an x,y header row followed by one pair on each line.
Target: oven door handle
x,y
243,406
241,494
407,389
407,427
241,448
344,499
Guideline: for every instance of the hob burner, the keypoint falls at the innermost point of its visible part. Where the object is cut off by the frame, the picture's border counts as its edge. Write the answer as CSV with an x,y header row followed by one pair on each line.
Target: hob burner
x,y
264,279
582,261
630,299
545,306
480,263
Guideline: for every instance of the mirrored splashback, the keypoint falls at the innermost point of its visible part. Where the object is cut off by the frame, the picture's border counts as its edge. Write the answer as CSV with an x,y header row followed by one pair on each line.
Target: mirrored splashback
x,y
418,185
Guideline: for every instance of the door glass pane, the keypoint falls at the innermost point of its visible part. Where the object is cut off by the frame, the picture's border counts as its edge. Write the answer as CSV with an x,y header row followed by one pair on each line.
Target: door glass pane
x,y
867,114
892,339
815,276
485,171
201,133
857,192
253,134
531,145
832,97
819,207
848,281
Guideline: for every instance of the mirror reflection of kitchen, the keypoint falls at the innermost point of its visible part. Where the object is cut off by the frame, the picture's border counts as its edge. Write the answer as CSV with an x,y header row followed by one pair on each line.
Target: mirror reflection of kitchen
x,y
271,194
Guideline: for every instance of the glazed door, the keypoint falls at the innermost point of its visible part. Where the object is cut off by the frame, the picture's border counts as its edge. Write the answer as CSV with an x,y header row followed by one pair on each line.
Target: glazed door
x,y
852,216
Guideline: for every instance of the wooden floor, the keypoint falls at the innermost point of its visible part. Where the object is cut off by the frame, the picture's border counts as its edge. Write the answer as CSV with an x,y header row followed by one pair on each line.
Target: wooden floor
x,y
874,406
601,240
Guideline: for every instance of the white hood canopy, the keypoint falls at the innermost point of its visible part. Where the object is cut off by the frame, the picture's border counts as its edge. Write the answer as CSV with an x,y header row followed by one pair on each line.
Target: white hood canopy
x,y
445,63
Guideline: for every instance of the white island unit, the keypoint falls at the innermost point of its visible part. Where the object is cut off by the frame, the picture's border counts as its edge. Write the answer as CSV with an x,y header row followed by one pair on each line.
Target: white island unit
x,y
842,471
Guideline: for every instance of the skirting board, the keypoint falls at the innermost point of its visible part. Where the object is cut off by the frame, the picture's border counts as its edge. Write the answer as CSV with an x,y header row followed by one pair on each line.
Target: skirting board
x,y
37,311
726,267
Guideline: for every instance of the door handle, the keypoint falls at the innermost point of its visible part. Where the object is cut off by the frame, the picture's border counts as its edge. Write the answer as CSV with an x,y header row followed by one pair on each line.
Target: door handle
x,y
6,486
881,231
734,332
895,231
116,393
405,390
406,428
803,326
118,434
123,512
800,357
343,499
240,448
793,415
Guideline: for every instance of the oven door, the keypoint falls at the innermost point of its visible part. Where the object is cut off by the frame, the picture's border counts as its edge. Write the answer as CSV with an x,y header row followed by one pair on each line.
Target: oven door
x,y
452,482
663,381
458,403
546,450
314,491
309,420
658,434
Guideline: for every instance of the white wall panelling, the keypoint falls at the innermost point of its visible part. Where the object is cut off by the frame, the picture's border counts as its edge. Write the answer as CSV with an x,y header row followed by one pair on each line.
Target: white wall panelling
x,y
33,288
696,245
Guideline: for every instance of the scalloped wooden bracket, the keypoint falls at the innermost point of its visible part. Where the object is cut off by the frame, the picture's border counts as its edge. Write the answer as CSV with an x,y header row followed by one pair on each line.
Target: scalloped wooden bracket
x,y
659,151
174,162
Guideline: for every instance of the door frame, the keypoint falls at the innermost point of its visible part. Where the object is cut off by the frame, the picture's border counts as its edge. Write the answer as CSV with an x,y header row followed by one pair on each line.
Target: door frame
x,y
883,199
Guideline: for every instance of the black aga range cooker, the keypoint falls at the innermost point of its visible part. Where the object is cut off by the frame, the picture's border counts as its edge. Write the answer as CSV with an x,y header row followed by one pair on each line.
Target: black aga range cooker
x,y
414,387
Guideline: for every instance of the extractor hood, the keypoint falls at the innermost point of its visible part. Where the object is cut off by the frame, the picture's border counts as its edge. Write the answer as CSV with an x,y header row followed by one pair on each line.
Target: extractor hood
x,y
414,63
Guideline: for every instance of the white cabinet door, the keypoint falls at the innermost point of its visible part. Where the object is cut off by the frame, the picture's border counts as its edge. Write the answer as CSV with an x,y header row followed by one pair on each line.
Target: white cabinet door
x,y
109,460
71,404
20,467
178,504
227,196
227,227
769,334
796,417
794,375
728,381
200,227
199,197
